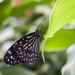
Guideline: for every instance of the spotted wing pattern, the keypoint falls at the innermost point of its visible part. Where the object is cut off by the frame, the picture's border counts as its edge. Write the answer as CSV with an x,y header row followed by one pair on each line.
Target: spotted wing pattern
x,y
24,51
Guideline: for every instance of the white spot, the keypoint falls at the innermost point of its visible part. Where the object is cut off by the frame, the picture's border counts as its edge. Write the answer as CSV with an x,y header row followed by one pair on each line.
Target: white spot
x,y
34,54
11,57
30,63
29,36
20,42
31,60
22,56
9,52
17,51
19,48
8,60
25,44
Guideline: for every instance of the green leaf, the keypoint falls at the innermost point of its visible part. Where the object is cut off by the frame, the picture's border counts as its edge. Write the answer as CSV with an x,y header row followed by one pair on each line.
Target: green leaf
x,y
63,12
60,41
14,70
5,9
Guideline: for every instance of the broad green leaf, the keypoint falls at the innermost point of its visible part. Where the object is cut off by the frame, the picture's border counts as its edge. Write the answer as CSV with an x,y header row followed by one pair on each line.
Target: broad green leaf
x,y
60,41
63,12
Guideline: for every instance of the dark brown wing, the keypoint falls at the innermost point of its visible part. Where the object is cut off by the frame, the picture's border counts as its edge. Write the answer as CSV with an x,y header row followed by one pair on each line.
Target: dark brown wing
x,y
24,51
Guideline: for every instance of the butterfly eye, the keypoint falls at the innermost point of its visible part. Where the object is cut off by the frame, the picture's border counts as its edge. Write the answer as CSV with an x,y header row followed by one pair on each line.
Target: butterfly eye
x,y
24,51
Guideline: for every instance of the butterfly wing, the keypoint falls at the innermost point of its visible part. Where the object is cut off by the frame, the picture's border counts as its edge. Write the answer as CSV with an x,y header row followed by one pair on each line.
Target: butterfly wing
x,y
24,51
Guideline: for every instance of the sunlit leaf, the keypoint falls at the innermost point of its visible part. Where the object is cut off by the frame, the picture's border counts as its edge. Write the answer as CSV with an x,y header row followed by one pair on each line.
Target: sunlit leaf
x,y
60,41
63,12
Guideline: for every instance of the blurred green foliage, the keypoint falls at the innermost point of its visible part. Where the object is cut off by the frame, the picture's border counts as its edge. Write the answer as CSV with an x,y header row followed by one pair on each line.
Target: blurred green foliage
x,y
5,9
52,40
63,13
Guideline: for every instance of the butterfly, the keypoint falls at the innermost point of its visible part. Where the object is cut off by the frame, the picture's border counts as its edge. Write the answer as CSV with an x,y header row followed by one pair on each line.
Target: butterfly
x,y
24,51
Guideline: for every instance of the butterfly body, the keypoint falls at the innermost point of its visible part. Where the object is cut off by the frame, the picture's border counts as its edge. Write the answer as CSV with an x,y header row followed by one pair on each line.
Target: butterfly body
x,y
24,51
